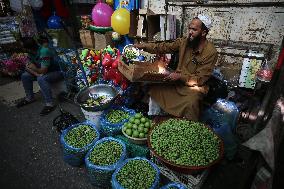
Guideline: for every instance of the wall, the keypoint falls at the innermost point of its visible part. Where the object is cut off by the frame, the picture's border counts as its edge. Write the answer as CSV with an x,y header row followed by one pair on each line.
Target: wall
x,y
237,27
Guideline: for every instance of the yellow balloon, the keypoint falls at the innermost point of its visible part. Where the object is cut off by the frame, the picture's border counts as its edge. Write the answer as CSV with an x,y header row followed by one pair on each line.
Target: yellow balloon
x,y
109,2
120,21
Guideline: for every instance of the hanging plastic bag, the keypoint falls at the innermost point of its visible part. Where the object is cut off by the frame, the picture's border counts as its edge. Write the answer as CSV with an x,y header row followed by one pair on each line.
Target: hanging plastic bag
x,y
36,4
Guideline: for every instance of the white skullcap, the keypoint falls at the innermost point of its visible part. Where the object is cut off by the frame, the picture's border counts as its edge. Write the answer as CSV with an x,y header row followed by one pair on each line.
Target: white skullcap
x,y
206,20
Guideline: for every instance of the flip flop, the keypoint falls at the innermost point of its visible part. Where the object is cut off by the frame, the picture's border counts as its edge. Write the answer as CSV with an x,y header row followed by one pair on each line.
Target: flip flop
x,y
46,110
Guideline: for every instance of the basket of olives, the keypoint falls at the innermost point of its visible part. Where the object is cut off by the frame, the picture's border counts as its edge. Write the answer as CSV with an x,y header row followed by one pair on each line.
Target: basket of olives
x,y
185,146
137,128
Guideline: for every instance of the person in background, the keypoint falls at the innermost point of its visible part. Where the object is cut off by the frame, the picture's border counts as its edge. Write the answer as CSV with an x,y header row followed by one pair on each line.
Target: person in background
x,y
41,68
197,58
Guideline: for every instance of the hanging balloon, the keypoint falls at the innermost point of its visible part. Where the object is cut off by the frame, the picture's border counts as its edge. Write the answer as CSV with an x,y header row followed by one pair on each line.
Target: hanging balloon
x,y
54,22
120,21
109,2
101,15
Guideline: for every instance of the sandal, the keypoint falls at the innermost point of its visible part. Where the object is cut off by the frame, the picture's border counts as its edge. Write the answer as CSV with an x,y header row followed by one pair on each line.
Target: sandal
x,y
24,102
46,110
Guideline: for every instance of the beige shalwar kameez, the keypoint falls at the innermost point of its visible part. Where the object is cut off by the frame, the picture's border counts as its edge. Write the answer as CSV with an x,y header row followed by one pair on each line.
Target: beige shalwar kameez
x,y
183,99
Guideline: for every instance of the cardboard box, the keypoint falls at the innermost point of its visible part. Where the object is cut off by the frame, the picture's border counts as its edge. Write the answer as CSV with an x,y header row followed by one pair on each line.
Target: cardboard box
x,y
142,71
93,40
102,40
87,38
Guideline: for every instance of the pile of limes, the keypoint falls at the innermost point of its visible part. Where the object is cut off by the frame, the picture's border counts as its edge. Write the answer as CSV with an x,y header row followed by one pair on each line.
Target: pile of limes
x,y
138,126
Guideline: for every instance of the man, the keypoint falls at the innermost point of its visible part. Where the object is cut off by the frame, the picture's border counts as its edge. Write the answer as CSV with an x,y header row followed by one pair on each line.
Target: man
x,y
42,68
197,57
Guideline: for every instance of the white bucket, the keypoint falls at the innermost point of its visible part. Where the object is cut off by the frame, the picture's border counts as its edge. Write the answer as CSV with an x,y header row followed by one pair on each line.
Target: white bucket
x,y
93,117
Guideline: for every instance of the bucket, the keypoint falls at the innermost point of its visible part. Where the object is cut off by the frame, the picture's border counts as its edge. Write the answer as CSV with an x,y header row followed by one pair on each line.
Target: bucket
x,y
93,117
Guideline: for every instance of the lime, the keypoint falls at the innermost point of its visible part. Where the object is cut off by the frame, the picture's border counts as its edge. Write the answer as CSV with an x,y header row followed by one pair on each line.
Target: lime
x,y
146,130
141,125
129,125
134,126
131,120
135,134
128,132
141,129
143,120
147,124
141,135
138,115
137,121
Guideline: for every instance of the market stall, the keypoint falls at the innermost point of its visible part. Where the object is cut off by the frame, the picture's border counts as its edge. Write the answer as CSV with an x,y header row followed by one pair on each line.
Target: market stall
x,y
120,143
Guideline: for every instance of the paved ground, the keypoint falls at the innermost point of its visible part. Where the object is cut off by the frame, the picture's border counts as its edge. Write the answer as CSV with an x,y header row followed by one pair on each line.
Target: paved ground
x,y
30,152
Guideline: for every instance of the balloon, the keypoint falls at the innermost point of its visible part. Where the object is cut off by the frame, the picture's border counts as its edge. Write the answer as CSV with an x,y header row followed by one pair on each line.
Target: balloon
x,y
120,21
54,22
101,15
109,2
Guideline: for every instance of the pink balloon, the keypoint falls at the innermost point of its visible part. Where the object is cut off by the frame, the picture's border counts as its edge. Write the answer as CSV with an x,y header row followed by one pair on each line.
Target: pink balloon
x,y
101,15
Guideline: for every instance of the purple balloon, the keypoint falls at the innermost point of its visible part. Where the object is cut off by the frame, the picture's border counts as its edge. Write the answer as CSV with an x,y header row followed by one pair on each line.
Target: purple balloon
x,y
101,15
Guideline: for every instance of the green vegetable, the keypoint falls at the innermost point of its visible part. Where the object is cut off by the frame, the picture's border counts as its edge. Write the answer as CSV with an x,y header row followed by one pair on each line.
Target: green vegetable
x,y
106,153
136,174
80,136
185,143
116,116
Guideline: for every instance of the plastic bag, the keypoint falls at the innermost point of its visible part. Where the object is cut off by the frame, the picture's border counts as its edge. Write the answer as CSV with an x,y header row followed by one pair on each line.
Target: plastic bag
x,y
75,156
222,118
116,184
110,129
36,4
101,175
174,185
64,120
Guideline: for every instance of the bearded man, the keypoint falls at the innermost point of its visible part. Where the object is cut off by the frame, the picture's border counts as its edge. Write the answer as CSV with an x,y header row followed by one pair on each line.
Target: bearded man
x,y
197,58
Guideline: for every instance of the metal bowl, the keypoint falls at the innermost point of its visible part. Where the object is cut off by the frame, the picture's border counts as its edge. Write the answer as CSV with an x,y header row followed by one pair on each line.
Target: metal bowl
x,y
96,90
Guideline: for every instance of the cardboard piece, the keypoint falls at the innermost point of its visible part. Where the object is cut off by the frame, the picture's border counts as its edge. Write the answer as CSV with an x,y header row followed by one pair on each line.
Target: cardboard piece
x,y
147,24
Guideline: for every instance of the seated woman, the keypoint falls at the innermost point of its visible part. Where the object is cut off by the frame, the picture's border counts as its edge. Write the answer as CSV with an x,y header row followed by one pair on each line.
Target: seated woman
x,y
42,68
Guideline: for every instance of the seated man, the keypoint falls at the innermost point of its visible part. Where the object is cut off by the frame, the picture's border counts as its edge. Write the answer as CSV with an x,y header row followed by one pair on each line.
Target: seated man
x,y
42,68
197,58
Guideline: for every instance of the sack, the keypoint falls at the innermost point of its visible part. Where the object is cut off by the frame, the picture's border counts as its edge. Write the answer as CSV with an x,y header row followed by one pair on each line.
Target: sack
x,y
64,120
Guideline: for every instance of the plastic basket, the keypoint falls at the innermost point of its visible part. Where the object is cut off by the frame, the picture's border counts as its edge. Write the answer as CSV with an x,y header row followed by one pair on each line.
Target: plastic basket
x,y
101,175
75,156
190,181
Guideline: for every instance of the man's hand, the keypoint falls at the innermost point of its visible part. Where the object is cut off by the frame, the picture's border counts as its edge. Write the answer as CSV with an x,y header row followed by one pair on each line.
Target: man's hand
x,y
173,76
